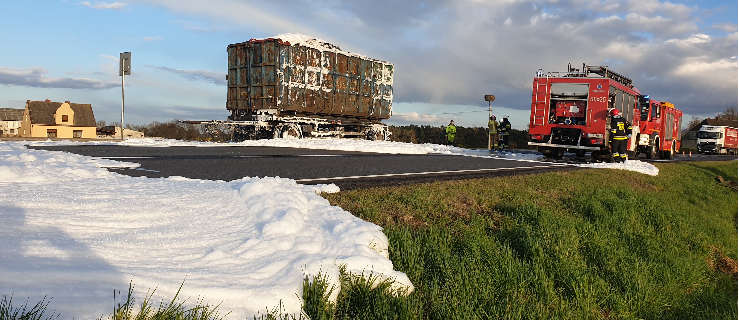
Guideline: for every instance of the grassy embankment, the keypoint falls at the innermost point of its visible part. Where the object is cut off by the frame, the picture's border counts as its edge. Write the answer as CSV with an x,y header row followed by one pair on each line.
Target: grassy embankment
x,y
589,244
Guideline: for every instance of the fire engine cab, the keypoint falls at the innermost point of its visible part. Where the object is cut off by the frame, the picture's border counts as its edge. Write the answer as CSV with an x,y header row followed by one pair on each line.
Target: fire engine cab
x,y
659,127
570,112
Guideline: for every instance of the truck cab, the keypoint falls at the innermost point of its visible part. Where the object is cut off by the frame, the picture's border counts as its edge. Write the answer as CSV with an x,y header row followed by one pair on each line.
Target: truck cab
x,y
717,139
659,127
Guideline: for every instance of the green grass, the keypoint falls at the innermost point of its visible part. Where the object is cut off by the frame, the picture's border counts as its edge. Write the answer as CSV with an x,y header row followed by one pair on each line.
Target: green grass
x,y
590,244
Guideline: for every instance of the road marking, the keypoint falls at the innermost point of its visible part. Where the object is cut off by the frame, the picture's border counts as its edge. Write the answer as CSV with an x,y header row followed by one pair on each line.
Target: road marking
x,y
427,173
127,157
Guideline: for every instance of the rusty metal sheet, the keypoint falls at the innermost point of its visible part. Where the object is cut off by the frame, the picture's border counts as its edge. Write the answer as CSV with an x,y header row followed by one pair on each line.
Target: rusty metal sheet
x,y
270,73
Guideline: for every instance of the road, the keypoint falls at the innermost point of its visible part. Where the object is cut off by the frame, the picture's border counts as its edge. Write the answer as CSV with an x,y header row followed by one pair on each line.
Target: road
x,y
348,170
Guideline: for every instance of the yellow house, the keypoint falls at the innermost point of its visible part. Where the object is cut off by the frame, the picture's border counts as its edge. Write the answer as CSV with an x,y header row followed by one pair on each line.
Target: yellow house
x,y
48,119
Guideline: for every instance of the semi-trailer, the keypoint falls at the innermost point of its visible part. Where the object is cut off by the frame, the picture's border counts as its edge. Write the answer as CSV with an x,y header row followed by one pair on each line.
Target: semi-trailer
x,y
299,86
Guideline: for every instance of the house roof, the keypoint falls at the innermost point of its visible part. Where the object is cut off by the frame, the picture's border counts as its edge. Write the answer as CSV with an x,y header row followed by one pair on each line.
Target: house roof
x,y
42,112
8,114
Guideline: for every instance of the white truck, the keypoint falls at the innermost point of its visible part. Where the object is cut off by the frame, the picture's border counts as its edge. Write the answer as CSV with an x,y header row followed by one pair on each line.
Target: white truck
x,y
717,139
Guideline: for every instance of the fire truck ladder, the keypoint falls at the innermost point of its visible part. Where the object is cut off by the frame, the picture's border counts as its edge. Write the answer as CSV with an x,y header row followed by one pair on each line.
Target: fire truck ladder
x,y
540,106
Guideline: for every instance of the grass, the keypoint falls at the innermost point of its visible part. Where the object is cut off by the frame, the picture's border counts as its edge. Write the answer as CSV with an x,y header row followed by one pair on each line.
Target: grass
x,y
590,244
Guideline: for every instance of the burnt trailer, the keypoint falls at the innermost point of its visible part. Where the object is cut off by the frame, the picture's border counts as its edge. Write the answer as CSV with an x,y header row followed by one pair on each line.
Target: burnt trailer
x,y
298,86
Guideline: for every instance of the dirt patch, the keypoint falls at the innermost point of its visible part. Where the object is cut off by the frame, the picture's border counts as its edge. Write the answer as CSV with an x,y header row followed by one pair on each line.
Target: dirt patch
x,y
461,208
726,183
719,262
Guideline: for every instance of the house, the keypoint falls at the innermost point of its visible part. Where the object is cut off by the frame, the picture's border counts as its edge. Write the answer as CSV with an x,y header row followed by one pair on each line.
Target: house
x,y
113,132
10,122
48,119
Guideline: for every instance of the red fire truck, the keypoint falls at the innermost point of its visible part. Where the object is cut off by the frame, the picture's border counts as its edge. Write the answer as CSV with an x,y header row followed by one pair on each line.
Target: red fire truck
x,y
570,112
659,128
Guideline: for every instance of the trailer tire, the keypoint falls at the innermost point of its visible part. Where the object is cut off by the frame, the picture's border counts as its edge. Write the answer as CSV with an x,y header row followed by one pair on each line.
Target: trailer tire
x,y
288,131
376,135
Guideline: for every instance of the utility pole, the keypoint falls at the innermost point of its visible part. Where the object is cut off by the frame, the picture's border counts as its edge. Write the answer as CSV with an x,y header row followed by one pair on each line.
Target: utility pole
x,y
123,70
490,98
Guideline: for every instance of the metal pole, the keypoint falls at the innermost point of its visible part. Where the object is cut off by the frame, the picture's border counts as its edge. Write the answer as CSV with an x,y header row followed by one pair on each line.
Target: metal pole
x,y
123,99
490,114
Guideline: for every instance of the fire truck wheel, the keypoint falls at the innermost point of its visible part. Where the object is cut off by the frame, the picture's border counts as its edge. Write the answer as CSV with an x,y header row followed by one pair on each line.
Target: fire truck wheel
x,y
546,152
595,156
558,153
652,151
632,155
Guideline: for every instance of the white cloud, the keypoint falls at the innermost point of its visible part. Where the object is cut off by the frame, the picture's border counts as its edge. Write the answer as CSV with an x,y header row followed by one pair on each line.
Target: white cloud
x,y
153,38
696,39
416,118
104,5
703,66
200,75
36,77
728,27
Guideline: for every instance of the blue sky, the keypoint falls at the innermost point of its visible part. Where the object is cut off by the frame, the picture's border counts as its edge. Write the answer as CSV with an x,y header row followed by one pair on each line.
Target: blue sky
x,y
447,53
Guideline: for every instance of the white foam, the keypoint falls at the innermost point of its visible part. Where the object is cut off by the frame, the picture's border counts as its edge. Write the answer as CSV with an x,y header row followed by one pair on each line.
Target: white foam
x,y
73,231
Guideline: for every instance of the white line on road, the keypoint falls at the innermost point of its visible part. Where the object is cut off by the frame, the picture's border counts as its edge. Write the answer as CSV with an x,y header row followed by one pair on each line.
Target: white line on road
x,y
428,173
127,157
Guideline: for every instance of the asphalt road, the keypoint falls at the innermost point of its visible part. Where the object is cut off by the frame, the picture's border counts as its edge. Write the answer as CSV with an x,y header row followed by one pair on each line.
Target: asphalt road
x,y
348,170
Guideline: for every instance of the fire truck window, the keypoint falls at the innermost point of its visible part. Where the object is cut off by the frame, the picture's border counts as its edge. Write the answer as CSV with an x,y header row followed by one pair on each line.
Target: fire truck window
x,y
654,111
570,90
644,109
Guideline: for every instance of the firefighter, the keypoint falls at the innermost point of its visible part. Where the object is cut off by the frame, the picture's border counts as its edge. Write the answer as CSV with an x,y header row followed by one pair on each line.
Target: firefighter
x,y
505,132
492,133
620,133
451,132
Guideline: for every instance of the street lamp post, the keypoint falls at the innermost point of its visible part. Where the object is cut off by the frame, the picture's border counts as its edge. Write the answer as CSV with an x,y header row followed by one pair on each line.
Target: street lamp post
x,y
124,69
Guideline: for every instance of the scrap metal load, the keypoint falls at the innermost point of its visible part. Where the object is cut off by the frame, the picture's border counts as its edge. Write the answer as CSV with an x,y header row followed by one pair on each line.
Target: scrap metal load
x,y
295,85
570,111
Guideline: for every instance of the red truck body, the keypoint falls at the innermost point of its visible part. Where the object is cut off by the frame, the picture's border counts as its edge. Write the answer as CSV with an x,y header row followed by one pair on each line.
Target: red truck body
x,y
570,111
731,139
659,128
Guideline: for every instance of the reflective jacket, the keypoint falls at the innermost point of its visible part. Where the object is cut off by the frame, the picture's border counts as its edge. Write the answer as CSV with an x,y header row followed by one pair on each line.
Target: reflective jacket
x,y
492,127
505,128
620,129
451,130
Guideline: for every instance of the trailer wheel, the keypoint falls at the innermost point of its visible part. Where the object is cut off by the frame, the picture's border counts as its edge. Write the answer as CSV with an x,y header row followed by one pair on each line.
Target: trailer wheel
x,y
288,131
376,135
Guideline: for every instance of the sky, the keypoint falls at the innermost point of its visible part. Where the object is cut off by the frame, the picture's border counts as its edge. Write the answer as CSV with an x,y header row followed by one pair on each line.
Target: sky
x,y
447,53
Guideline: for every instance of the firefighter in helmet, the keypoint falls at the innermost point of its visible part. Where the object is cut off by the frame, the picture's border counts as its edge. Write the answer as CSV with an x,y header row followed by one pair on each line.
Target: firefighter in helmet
x,y
451,132
620,133
505,132
493,133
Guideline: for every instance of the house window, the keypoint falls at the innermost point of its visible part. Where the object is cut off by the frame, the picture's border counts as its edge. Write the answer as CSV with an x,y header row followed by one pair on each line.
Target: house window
x,y
77,134
65,118
51,133
12,131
